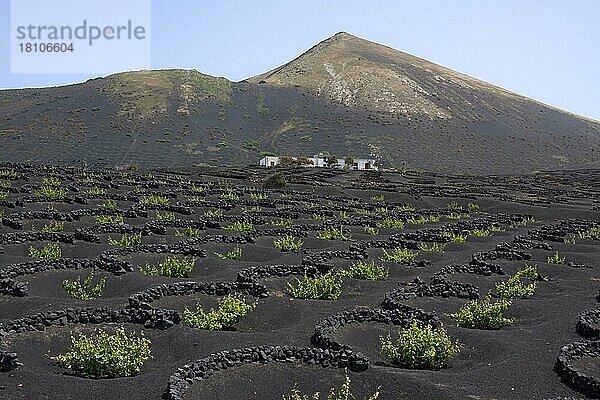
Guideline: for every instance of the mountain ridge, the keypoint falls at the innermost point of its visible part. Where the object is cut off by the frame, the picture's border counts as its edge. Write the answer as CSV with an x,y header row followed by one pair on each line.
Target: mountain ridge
x,y
401,109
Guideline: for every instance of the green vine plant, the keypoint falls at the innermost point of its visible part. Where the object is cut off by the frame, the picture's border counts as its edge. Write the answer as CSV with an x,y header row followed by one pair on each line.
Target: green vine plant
x,y
366,271
109,219
334,234
188,232
239,226
230,311
51,251
391,223
234,254
84,290
483,314
399,254
514,287
343,393
282,222
371,230
432,247
556,258
324,287
172,267
102,355
420,347
54,227
154,201
288,243
166,216
455,237
127,240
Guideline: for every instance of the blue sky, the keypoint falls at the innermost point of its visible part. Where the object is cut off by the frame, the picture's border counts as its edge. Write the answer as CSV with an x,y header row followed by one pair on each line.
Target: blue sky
x,y
548,50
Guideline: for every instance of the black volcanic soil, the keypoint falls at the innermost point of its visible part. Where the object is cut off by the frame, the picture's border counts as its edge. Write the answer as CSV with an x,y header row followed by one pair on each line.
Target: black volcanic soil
x,y
514,362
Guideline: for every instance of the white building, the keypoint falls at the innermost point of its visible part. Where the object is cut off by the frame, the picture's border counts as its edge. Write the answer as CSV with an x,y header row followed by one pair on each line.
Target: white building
x,y
320,160
269,161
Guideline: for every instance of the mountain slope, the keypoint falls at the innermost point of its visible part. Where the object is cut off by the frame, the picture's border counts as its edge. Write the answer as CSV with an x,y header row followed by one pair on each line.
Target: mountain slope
x,y
357,72
346,96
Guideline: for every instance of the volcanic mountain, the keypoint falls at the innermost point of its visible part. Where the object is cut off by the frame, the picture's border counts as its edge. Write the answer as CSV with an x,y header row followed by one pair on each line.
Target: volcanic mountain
x,y
345,96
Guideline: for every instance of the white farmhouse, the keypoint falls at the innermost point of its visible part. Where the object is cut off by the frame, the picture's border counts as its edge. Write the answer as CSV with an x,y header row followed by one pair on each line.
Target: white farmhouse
x,y
320,161
269,161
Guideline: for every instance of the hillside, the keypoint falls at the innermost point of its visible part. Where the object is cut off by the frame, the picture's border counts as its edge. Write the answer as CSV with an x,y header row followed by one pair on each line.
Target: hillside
x,y
346,95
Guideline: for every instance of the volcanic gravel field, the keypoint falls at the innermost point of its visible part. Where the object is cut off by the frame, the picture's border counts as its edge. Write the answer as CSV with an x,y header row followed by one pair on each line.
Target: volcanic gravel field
x,y
549,352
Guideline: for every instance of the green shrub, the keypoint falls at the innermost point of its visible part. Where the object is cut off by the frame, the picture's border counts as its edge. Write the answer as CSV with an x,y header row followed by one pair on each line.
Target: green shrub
x,y
481,232
288,243
258,196
154,201
282,222
455,237
234,254
239,226
343,215
54,227
95,191
50,192
333,234
49,252
524,222
417,221
213,213
84,290
391,223
172,267
454,206
196,199
127,240
571,239
275,181
229,195
366,270
7,174
109,204
399,254
231,310
324,287
420,347
343,393
556,258
51,181
483,314
369,213
514,287
188,232
432,247
472,207
381,210
371,230
592,233
103,355
109,219
454,216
